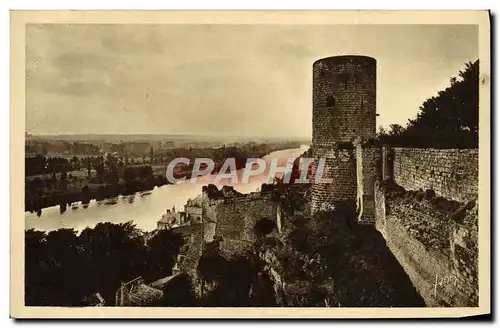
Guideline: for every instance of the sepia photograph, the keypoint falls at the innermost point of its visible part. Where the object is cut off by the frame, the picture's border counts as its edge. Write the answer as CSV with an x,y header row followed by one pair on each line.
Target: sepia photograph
x,y
219,164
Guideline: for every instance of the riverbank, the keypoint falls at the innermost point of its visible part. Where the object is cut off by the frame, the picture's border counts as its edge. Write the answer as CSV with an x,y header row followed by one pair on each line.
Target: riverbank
x,y
63,189
71,194
145,209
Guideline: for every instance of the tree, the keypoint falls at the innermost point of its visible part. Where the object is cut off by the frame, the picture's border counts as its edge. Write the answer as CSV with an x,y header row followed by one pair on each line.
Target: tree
x,y
448,120
179,292
62,248
75,163
63,268
35,267
111,177
89,170
112,253
129,174
99,169
164,247
211,265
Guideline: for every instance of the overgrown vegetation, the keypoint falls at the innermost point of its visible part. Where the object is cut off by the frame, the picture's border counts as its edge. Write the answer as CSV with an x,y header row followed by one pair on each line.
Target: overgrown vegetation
x,y
62,267
328,260
425,201
237,281
448,120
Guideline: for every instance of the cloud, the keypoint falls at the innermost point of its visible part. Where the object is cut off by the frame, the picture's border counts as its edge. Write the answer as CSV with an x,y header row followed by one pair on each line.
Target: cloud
x,y
240,79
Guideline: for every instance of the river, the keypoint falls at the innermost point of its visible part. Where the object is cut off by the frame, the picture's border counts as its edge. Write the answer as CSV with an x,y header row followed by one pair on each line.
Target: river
x,y
145,210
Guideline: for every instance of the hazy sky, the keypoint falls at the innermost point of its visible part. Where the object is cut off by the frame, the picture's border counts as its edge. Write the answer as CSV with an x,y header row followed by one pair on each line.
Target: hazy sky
x,y
243,80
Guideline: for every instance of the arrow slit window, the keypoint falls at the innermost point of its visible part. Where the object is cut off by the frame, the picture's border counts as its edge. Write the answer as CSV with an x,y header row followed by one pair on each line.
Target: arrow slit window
x,y
330,101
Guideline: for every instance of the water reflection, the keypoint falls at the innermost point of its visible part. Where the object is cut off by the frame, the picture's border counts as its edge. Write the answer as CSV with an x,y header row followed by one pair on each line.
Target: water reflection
x,y
144,208
62,208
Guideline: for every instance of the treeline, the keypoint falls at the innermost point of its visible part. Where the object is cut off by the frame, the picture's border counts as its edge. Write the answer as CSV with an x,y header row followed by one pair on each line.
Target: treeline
x,y
42,192
448,120
41,164
63,268
240,153
83,179
44,147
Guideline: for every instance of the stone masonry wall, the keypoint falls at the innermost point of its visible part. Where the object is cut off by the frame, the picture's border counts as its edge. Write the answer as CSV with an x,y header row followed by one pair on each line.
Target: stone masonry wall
x,y
464,253
236,219
192,249
367,172
451,173
340,166
440,257
344,99
231,220
380,209
344,108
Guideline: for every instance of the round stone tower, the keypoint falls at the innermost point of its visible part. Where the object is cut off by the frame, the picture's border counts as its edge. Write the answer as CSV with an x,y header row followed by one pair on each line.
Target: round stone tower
x,y
344,108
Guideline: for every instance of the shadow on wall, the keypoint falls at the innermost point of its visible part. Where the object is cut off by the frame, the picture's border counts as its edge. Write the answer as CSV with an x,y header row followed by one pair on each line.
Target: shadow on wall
x,y
353,260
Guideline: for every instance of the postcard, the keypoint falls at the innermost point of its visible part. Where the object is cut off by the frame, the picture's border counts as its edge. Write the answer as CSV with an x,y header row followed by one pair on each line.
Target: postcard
x,y
250,164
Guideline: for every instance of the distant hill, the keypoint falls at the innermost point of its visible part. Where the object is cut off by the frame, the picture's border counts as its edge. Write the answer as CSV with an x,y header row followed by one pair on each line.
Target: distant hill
x,y
113,138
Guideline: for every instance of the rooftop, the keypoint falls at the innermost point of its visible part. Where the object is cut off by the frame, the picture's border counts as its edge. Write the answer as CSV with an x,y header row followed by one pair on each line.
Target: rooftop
x,y
196,202
171,217
146,293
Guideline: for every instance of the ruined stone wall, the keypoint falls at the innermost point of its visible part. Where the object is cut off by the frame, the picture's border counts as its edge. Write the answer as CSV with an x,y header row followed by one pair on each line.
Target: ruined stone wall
x,y
464,253
192,249
380,208
341,167
209,217
234,247
233,218
451,173
368,169
439,256
194,214
387,165
209,231
236,218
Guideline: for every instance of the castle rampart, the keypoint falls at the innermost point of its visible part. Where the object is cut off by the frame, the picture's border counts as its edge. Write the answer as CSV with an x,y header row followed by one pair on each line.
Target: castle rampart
x,y
431,225
451,173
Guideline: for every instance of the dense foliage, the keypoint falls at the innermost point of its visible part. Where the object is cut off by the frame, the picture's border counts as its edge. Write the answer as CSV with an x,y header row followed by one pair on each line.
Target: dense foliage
x,y
63,268
328,259
448,120
41,163
237,281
